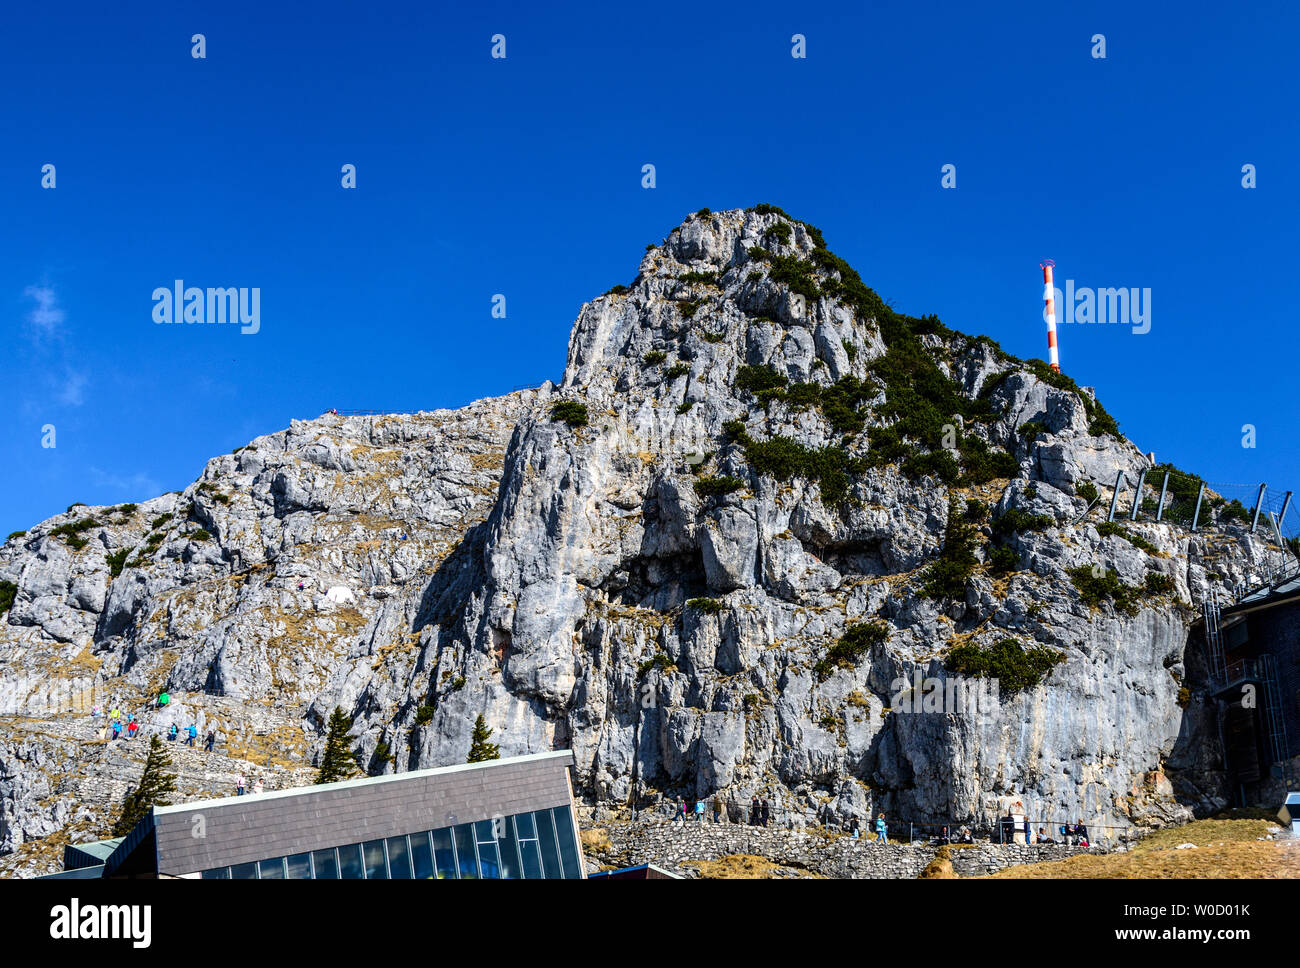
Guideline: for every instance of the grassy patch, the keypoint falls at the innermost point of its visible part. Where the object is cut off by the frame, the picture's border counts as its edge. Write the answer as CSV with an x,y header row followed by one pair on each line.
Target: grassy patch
x,y
717,486
8,592
1224,848
1097,586
570,412
947,577
116,561
1014,668
849,649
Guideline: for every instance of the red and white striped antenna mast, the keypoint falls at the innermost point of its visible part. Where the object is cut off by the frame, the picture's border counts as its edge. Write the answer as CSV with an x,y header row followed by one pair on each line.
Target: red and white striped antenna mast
x,y
1049,298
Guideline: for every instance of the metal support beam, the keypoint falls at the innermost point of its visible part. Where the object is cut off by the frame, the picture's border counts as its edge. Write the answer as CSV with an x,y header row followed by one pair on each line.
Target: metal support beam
x,y
1277,531
1286,503
1164,489
1137,497
1196,515
1114,500
1259,503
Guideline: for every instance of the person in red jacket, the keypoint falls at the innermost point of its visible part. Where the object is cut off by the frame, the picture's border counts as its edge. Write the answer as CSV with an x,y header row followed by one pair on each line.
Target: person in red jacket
x,y
131,727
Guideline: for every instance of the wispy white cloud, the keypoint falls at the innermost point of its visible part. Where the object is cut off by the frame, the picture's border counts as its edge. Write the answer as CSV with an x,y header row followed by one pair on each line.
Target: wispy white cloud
x,y
46,317
71,392
139,486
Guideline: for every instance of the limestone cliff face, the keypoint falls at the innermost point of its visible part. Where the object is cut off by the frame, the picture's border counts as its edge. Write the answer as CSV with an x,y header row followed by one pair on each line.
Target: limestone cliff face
x,y
656,588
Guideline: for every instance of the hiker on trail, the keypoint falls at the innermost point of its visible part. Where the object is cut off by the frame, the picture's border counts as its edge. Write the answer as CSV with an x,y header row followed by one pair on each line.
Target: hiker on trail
x,y
194,731
117,730
855,831
681,812
765,815
1043,838
1028,831
131,728
94,712
965,837
299,586
754,812
171,733
699,810
257,785
212,738
881,830
239,786
717,808
115,713
1081,832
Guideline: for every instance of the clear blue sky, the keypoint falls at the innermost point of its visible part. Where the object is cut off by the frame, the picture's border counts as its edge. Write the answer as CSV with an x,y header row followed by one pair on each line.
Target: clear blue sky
x,y
523,177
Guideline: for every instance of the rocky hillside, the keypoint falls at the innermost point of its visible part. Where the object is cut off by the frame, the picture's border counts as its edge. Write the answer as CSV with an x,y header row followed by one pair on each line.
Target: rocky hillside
x,y
758,496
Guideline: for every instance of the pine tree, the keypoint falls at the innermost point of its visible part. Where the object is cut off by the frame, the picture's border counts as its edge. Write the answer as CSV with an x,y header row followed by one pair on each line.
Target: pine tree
x,y
155,784
480,749
337,763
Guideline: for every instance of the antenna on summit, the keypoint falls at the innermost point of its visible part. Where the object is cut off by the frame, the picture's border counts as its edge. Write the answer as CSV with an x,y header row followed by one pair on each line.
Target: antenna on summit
x,y
1049,313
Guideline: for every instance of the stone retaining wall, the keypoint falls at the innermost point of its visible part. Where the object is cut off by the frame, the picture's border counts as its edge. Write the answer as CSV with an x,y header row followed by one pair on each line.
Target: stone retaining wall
x,y
670,845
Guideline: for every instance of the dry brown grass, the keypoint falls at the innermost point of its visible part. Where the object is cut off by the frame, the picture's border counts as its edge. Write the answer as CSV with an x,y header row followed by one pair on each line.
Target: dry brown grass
x,y
1225,847
738,867
596,838
940,868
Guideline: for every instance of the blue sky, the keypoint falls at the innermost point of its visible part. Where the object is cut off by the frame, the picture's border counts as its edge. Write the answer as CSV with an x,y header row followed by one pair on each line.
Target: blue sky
x,y
522,176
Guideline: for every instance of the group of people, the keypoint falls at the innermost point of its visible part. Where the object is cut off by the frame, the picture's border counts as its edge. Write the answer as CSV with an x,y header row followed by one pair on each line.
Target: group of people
x,y
760,811
1015,825
964,836
113,726
882,829
241,785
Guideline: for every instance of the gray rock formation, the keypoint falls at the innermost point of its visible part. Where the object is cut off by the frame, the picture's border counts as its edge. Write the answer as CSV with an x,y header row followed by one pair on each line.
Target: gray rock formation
x,y
576,587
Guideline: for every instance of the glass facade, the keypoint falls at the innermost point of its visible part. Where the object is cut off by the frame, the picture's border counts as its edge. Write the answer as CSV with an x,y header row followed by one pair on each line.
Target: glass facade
x,y
530,846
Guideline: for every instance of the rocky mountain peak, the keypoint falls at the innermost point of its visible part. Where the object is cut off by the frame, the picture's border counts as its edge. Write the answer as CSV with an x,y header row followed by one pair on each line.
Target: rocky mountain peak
x,y
758,499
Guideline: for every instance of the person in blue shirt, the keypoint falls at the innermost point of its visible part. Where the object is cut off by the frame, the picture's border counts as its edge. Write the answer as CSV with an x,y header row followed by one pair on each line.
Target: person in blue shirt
x,y
171,733
880,830
189,741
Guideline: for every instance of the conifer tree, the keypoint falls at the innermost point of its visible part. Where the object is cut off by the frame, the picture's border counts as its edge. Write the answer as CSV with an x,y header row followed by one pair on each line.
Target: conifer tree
x,y
155,784
337,762
480,749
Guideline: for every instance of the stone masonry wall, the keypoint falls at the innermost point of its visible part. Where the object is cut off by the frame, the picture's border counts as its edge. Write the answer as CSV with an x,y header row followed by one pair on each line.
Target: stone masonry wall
x,y
670,845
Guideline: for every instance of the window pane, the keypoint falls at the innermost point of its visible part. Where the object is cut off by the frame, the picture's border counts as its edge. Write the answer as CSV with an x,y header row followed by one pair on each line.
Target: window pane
x,y
568,846
271,870
350,862
489,866
244,872
376,869
217,874
442,851
299,867
399,859
532,859
550,851
509,850
326,864
465,859
422,856
524,824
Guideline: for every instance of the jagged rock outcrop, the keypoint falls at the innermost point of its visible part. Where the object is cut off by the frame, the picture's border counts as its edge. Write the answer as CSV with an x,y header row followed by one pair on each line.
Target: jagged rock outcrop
x,y
658,587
